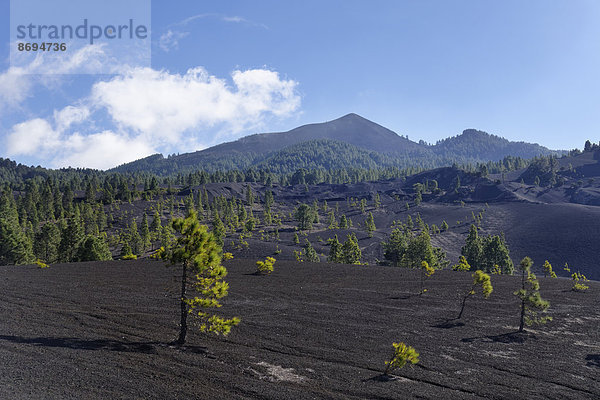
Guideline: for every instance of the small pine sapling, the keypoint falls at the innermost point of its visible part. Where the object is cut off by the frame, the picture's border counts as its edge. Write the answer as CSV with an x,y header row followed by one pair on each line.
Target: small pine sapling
x,y
482,279
426,273
199,254
403,354
462,265
298,255
41,264
566,267
496,270
265,267
579,280
445,226
548,270
531,302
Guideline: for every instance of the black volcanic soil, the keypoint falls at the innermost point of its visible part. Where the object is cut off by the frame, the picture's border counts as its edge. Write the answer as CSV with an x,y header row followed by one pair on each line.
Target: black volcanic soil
x,y
308,331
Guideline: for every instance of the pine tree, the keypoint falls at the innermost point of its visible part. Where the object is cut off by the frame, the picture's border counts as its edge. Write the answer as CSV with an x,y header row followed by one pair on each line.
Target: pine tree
x,y
418,250
395,247
135,239
310,253
351,251
409,223
331,223
463,265
531,302
155,227
249,195
145,233
418,198
126,252
71,237
370,224
343,222
377,201
304,216
269,200
166,236
198,252
363,205
444,226
15,246
335,250
93,248
482,279
46,243
495,252
426,273
403,354
218,229
265,267
473,248
548,270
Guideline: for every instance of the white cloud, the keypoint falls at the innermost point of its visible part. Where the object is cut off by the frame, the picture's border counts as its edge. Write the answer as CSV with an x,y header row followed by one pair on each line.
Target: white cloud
x,y
153,110
165,106
70,115
101,150
32,138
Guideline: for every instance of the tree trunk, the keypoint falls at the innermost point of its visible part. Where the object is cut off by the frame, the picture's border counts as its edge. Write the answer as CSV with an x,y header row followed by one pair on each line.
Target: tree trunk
x,y
521,325
462,308
522,302
184,313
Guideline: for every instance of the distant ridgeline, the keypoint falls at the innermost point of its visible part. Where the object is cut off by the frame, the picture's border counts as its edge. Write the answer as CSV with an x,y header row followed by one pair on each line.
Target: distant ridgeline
x,y
348,142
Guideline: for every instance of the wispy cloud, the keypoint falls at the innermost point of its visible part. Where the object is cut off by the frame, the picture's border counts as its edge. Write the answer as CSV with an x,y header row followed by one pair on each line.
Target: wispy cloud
x,y
17,83
170,40
222,17
175,32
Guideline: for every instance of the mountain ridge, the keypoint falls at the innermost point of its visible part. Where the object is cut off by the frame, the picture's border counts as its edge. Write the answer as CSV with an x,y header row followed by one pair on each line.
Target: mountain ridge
x,y
252,151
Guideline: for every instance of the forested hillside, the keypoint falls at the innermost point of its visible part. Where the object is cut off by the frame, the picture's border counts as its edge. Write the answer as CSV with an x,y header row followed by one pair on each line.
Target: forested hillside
x,y
349,141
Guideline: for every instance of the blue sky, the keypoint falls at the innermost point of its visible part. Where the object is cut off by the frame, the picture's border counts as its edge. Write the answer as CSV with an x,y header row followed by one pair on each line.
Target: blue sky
x,y
525,70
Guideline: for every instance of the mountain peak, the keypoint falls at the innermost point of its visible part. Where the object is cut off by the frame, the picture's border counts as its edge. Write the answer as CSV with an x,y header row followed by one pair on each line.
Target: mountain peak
x,y
353,116
475,132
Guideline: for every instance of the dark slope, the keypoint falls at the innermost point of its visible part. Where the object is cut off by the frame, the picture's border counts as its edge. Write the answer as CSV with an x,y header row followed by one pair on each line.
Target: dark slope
x,y
351,128
481,145
308,331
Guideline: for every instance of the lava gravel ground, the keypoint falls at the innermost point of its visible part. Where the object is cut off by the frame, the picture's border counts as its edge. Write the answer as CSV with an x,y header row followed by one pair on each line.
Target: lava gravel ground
x,y
308,331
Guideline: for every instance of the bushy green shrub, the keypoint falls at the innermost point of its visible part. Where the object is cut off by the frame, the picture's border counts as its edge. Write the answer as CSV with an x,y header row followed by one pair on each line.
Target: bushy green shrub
x,y
402,355
462,265
548,270
579,280
265,267
426,273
